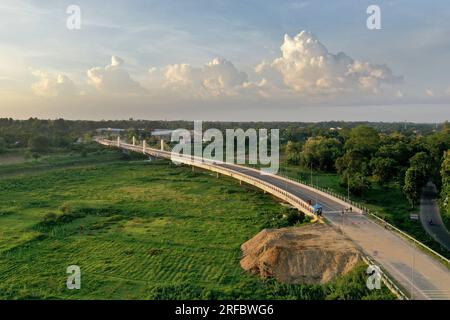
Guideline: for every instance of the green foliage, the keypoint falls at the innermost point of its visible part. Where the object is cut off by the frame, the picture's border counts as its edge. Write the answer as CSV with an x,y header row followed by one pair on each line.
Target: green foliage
x,y
445,174
356,182
39,144
321,152
363,140
3,145
383,169
422,163
285,217
293,150
414,182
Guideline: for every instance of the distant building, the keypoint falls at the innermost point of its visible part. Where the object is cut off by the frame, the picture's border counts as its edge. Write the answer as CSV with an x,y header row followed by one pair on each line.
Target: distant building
x,y
110,130
162,133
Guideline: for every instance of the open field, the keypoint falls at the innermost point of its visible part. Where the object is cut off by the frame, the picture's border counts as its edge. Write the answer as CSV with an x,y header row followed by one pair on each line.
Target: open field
x,y
138,230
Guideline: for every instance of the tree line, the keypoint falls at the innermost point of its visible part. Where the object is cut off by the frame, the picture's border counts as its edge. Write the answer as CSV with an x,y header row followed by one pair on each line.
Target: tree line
x,y
361,153
364,155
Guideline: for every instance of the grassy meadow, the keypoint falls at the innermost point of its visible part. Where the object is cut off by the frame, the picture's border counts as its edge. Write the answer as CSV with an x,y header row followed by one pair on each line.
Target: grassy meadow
x,y
138,230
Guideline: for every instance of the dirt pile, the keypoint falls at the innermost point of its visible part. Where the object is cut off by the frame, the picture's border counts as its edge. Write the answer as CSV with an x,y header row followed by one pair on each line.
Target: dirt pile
x,y
311,254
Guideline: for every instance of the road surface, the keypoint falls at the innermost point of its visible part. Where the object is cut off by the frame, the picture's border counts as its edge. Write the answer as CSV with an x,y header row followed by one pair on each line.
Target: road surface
x,y
429,211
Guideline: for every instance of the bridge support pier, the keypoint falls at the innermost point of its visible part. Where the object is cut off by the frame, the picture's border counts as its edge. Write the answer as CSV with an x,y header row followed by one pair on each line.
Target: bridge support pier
x,y
240,182
217,175
134,141
193,169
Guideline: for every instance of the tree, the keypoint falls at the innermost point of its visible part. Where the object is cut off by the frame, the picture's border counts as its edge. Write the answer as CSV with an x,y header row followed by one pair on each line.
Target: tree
x,y
364,140
39,144
293,152
2,145
383,169
422,162
352,162
356,182
321,152
360,146
414,182
445,175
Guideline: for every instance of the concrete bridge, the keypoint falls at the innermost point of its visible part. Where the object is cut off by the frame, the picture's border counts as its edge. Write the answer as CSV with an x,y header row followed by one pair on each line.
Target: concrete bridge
x,y
409,268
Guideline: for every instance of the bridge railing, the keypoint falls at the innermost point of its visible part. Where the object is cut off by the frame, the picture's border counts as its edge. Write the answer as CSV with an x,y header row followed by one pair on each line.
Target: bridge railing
x,y
209,165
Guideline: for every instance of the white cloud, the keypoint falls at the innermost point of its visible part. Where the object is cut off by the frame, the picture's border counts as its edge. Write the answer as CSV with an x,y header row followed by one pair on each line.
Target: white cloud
x,y
218,77
114,79
52,85
307,67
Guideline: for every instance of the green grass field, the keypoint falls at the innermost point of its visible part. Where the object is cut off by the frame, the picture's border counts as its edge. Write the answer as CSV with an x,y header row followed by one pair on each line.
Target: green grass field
x,y
138,230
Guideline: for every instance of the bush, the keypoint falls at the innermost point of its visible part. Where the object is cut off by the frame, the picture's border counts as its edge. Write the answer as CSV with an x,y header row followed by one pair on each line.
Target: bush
x,y
286,217
294,216
3,145
39,144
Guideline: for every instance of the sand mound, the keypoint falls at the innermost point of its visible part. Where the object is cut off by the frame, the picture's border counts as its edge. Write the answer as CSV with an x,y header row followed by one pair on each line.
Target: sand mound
x,y
311,254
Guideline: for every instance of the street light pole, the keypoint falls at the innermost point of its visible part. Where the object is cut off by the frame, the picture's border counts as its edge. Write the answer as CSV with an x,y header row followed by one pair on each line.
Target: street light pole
x,y
348,186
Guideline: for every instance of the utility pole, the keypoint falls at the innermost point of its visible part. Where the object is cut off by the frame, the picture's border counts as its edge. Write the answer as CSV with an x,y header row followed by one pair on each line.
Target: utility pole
x,y
348,186
317,186
412,274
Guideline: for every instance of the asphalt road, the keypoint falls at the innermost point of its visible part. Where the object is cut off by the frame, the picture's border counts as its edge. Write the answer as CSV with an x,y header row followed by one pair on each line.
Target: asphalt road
x,y
421,276
429,211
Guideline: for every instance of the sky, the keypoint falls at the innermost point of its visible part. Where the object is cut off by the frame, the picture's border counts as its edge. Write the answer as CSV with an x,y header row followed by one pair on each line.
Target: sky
x,y
245,60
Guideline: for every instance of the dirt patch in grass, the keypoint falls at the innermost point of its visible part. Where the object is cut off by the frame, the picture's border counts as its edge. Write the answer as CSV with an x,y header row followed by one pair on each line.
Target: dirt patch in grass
x,y
311,254
12,158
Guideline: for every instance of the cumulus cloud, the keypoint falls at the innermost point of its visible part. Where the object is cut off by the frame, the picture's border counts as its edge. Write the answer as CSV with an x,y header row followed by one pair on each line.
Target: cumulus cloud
x,y
218,77
50,85
307,67
114,78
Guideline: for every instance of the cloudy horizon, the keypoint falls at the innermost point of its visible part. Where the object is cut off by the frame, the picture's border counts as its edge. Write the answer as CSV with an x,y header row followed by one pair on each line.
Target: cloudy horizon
x,y
230,61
